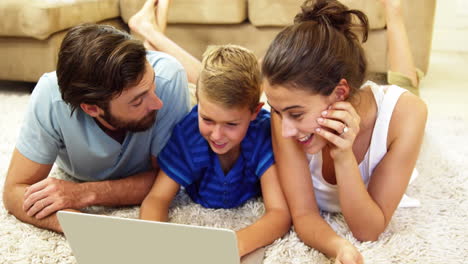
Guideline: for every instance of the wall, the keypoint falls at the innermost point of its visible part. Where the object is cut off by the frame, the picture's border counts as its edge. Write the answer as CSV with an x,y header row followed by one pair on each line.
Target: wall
x,y
451,26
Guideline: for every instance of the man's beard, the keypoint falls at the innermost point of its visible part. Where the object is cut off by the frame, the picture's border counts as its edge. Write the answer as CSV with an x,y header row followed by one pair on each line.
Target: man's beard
x,y
132,126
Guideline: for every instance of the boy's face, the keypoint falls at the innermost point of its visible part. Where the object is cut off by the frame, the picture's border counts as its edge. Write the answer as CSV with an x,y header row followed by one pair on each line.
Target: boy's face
x,y
223,128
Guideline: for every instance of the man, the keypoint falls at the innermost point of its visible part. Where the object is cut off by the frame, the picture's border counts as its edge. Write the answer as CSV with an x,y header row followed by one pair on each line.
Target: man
x,y
101,118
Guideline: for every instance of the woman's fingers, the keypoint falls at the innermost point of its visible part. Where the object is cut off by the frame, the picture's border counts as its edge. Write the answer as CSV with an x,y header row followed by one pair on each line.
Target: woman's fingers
x,y
335,125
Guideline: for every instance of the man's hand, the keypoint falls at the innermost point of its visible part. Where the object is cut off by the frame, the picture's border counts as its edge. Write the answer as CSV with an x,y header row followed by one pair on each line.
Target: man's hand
x,y
51,195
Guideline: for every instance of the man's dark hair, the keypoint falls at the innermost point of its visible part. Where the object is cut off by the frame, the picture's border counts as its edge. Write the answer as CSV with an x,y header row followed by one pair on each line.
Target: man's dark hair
x,y
96,63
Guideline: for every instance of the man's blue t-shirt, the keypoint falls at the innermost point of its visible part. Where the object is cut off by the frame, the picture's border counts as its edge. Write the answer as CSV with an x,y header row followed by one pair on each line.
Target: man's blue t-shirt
x,y
188,159
79,146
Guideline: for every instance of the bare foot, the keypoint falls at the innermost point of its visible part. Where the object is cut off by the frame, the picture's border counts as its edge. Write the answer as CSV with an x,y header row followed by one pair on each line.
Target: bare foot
x,y
145,19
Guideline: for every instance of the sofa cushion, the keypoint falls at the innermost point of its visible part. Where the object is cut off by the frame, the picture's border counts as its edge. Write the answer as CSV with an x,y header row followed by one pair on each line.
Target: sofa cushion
x,y
41,18
282,12
195,11
26,59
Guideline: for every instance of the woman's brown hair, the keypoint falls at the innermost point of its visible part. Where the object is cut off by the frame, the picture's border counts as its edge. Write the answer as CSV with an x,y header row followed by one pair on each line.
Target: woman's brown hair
x,y
319,49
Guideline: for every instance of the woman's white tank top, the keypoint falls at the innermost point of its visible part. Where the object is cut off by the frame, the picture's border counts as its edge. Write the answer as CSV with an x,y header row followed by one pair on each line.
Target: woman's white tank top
x,y
326,194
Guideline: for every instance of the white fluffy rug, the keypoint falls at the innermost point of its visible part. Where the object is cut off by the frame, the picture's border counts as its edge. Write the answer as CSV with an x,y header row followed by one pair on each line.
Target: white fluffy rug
x,y
437,232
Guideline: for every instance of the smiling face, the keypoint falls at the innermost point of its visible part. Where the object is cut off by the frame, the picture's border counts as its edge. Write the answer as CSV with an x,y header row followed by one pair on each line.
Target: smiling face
x,y
299,111
135,109
224,128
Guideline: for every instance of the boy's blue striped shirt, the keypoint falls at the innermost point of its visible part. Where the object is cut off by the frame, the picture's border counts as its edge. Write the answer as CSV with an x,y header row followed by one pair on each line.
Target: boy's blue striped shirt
x,y
188,159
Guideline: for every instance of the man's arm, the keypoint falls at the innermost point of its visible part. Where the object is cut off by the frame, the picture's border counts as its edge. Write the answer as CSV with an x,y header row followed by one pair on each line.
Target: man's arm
x,y
33,198
130,190
22,173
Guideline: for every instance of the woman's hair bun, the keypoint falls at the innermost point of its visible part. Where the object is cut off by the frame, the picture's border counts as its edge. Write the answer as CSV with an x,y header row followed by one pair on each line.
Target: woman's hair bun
x,y
335,14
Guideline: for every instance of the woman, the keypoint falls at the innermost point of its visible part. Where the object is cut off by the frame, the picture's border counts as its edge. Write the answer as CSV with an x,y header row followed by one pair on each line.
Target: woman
x,y
341,145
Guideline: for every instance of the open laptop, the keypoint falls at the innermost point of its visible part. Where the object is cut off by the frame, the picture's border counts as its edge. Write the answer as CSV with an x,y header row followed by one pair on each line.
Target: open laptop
x,y
107,239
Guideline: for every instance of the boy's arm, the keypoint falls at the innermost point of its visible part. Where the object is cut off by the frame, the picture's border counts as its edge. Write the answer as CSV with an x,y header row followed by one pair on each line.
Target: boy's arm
x,y
274,223
156,204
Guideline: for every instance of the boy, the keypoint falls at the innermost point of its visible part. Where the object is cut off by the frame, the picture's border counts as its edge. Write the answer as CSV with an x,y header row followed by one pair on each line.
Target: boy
x,y
221,151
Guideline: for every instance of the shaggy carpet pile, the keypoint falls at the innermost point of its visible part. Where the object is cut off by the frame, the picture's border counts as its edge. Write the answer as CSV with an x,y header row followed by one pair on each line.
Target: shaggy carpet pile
x,y
436,232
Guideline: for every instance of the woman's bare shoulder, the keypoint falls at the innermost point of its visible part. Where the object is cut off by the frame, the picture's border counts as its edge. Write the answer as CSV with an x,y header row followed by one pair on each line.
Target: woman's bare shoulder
x,y
410,114
410,107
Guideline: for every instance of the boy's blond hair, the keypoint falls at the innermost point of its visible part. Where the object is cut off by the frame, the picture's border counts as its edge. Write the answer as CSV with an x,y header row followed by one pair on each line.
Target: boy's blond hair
x,y
231,76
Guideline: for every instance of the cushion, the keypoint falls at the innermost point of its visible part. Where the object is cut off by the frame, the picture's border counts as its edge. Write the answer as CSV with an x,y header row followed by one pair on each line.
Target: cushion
x,y
282,12
41,18
26,59
195,38
195,11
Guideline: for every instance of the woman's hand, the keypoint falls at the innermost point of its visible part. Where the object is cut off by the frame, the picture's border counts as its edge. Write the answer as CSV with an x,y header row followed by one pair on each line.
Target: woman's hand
x,y
348,254
339,125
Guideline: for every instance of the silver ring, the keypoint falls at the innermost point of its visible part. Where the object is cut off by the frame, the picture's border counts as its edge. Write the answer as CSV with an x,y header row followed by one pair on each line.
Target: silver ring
x,y
345,130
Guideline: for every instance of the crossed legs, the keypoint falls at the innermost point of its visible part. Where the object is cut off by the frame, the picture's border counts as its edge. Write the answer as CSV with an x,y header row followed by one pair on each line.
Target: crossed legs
x,y
150,23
